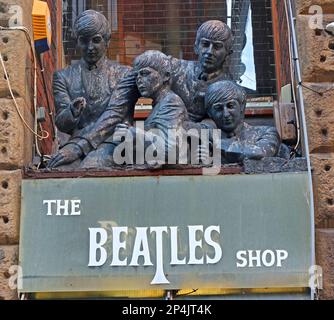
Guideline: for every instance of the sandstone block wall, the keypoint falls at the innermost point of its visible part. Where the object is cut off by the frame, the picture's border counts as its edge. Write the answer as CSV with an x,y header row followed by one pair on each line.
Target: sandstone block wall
x,y
325,257
10,191
316,49
15,139
8,267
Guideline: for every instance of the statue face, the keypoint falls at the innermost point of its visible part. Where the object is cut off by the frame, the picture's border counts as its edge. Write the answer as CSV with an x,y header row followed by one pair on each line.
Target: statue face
x,y
149,82
211,54
226,114
93,48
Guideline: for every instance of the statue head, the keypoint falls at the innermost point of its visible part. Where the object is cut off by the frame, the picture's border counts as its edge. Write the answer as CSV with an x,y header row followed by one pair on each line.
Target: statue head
x,y
154,71
92,32
213,45
226,102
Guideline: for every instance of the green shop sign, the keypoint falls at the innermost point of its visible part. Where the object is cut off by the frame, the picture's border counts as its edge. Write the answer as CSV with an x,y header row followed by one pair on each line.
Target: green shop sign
x,y
167,232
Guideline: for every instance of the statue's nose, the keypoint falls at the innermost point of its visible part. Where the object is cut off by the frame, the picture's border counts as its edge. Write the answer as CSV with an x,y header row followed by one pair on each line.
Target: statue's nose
x,y
210,49
90,46
226,113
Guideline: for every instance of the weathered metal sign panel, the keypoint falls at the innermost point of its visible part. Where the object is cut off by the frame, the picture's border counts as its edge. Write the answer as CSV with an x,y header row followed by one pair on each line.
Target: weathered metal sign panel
x,y
137,233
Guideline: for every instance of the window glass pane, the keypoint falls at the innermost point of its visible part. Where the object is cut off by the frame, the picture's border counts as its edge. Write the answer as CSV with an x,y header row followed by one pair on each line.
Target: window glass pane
x,y
170,26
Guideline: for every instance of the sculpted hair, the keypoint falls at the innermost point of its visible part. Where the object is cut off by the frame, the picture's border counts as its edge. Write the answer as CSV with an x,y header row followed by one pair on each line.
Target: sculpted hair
x,y
217,31
91,22
153,59
223,91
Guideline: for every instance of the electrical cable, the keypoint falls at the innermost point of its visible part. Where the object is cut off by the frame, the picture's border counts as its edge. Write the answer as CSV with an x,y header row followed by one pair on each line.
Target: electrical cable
x,y
187,294
16,105
35,129
47,98
293,80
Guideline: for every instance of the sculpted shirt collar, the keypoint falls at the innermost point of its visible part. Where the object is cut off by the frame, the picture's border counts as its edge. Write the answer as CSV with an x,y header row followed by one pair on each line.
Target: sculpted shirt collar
x,y
237,132
99,65
200,75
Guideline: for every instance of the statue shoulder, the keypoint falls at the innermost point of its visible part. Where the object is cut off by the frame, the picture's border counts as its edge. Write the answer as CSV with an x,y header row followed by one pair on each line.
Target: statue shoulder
x,y
173,99
66,72
268,132
118,68
180,65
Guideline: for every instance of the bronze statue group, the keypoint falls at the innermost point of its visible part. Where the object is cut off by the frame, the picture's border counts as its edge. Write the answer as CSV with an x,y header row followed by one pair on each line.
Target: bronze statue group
x,y
95,101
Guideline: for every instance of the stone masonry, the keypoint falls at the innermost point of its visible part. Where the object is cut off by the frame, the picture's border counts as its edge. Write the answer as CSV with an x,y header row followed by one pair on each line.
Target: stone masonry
x,y
15,139
316,48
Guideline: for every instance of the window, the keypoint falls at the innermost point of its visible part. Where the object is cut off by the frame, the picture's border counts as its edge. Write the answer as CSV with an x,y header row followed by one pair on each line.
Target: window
x,y
170,26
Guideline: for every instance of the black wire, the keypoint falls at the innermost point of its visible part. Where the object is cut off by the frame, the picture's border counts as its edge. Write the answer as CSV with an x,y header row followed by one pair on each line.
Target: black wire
x,y
315,91
187,294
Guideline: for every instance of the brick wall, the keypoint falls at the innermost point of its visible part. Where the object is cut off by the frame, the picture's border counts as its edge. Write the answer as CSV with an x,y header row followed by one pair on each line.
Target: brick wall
x,y
283,44
51,63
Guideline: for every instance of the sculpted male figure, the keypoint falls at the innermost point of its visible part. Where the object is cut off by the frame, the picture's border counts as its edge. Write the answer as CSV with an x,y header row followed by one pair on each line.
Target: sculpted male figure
x,y
168,110
82,91
226,102
189,80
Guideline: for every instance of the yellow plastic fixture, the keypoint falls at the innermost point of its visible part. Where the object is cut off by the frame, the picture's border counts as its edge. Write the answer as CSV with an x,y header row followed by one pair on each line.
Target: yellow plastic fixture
x,y
41,21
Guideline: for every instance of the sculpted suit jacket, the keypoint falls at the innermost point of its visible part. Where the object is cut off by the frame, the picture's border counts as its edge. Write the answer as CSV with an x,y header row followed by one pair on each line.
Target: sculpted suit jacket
x,y
95,85
186,81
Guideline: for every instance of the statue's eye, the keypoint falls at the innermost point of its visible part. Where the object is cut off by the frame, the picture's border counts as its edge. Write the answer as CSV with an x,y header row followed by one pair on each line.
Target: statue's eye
x,y
83,40
144,73
205,43
230,105
97,39
218,107
218,46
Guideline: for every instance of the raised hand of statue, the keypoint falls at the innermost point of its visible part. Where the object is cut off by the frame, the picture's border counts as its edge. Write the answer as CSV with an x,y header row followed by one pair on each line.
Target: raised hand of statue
x,y
78,105
66,155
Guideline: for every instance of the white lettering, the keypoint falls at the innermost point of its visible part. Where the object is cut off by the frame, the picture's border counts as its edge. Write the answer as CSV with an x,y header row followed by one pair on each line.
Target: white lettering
x,y
121,239
75,207
174,248
133,310
241,256
155,152
62,207
214,244
316,277
317,18
281,255
117,245
257,258
159,277
265,261
49,204
16,19
193,244
141,241
95,246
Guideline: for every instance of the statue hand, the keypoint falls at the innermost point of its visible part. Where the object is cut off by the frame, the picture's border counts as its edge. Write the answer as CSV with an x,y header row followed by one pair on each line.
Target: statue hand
x,y
66,155
78,105
234,156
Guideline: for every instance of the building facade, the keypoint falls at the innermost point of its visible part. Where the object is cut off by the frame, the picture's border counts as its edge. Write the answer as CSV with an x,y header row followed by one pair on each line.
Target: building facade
x,y
261,33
